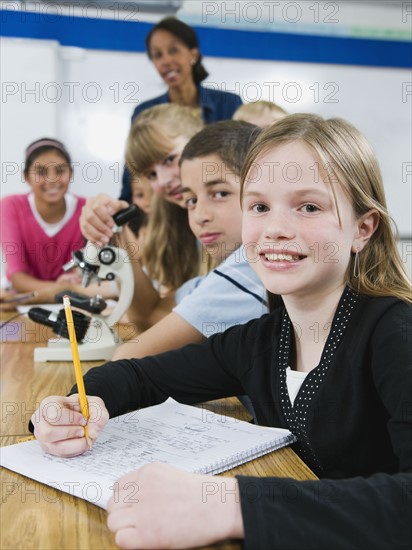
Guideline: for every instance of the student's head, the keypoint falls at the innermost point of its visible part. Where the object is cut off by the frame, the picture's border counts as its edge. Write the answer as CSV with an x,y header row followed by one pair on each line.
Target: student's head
x,y
173,47
210,169
156,140
262,113
142,193
313,200
48,169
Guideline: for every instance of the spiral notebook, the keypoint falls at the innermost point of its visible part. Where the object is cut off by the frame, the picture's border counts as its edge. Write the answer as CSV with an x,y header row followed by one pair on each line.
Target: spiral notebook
x,y
191,438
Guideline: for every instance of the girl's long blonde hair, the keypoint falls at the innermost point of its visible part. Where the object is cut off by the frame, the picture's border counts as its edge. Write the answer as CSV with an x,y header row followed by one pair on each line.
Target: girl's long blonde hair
x,y
170,253
348,159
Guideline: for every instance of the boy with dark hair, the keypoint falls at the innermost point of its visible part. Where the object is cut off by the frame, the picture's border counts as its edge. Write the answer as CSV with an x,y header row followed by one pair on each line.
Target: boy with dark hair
x,y
230,294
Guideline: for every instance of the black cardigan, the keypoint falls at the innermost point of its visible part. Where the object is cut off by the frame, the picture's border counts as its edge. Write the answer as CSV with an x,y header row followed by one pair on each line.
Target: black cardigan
x,y
357,423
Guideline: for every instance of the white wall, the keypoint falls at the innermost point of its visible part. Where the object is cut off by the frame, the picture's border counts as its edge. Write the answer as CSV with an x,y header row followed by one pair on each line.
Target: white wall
x,y
25,66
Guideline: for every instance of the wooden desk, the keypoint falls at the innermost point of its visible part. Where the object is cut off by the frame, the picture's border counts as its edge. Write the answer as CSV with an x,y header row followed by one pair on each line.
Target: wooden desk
x,y
39,517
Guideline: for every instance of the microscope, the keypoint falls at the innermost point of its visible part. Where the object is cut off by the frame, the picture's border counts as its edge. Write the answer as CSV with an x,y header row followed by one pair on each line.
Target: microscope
x,y
95,335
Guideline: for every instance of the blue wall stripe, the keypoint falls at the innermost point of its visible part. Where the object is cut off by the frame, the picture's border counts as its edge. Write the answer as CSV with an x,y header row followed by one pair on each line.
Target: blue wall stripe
x,y
305,48
110,34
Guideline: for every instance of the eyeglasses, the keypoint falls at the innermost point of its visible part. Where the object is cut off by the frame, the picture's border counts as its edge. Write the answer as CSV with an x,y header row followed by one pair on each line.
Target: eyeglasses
x,y
52,171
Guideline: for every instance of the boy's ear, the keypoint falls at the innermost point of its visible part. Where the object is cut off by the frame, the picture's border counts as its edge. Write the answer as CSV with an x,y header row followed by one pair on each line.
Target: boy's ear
x,y
367,225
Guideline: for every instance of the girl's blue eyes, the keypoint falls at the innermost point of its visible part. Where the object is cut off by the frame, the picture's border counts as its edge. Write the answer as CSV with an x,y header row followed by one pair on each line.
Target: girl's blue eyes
x,y
259,208
310,208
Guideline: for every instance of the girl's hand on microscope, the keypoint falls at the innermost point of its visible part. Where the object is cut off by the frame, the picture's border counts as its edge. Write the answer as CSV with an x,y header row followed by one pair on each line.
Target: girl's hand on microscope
x,y
96,220
73,277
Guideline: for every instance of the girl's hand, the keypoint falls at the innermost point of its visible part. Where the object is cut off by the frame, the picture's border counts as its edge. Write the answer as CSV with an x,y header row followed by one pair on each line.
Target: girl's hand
x,y
159,506
59,424
9,299
72,277
96,220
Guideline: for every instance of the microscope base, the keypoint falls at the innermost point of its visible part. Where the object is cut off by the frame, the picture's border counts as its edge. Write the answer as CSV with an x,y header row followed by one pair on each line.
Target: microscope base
x,y
99,344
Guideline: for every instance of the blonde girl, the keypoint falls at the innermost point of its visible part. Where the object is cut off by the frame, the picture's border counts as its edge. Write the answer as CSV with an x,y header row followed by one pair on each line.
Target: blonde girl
x,y
156,140
170,254
333,363
262,113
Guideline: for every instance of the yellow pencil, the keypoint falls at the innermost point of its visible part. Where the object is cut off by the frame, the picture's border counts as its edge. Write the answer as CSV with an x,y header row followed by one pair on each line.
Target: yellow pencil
x,y
77,368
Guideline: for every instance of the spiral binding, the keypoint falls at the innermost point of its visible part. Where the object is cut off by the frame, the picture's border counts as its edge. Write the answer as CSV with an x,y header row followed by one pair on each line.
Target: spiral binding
x,y
246,456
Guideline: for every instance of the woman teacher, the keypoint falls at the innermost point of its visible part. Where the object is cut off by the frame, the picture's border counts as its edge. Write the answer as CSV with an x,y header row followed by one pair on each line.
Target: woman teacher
x,y
173,48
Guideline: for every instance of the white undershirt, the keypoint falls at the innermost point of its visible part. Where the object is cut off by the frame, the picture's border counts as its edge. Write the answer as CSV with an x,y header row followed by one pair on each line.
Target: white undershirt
x,y
51,229
294,380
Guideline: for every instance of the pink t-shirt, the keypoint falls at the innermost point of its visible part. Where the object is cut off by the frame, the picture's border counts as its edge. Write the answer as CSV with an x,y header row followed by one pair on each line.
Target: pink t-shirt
x,y
27,248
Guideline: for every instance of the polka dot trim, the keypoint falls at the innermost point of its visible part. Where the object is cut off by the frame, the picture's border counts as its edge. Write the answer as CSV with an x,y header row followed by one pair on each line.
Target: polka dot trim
x,y
297,416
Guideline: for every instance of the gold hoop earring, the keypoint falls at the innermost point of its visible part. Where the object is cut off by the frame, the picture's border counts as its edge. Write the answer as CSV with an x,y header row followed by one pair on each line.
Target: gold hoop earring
x,y
356,271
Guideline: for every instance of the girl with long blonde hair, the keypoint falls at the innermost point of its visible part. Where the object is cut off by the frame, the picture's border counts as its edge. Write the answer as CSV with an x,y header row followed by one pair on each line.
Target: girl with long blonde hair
x,y
156,139
332,364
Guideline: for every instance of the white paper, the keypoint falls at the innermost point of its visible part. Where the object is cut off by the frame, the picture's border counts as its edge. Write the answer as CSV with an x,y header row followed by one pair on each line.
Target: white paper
x,y
190,438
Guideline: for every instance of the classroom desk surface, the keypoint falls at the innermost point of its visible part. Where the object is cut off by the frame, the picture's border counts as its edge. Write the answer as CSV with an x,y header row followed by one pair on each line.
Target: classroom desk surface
x,y
36,516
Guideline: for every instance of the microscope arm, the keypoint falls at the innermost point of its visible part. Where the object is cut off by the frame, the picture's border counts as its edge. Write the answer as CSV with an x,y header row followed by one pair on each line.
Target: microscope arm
x,y
125,276
113,263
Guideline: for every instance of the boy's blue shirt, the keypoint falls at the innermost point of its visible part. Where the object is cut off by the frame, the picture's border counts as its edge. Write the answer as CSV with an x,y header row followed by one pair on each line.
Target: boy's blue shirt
x,y
231,294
